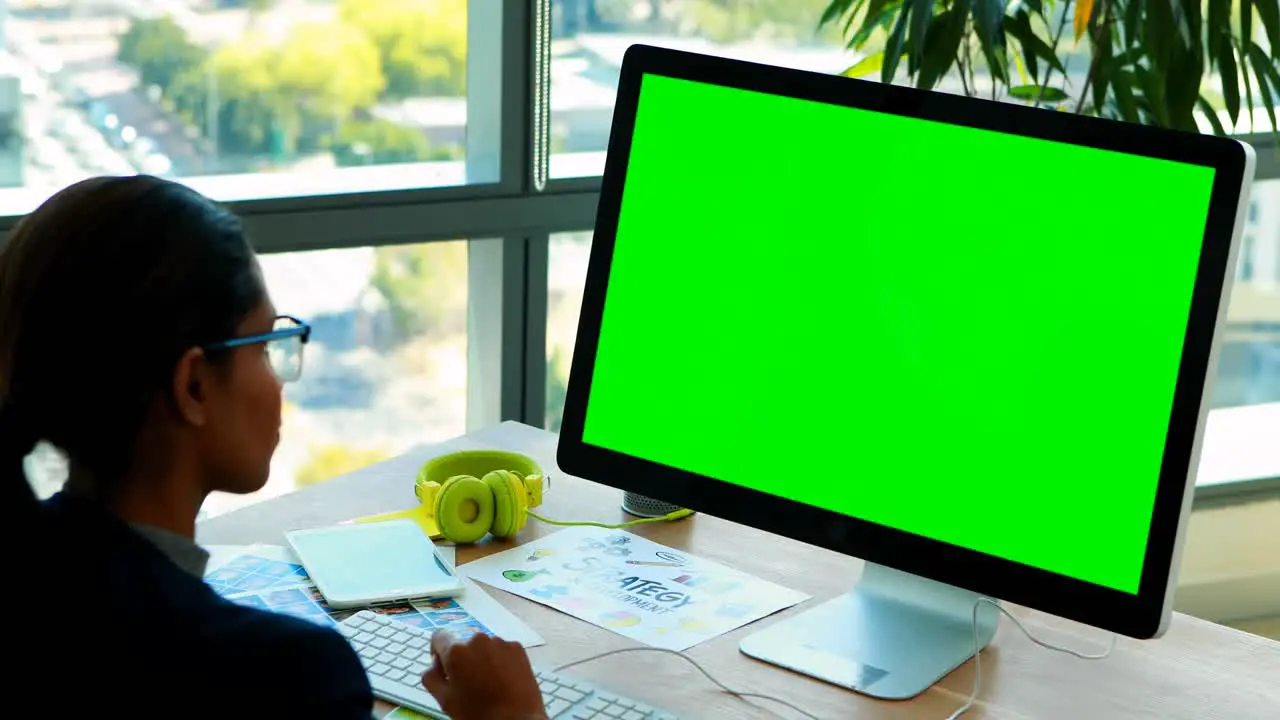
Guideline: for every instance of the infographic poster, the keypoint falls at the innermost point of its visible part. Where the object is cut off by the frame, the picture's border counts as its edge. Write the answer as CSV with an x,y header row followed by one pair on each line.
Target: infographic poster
x,y
633,586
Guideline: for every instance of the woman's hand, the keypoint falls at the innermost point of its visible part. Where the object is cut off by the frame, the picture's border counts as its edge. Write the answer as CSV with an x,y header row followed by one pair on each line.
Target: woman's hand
x,y
482,678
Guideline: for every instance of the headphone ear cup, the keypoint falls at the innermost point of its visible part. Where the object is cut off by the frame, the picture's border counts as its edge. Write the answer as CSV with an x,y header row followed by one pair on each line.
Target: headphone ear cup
x,y
511,504
464,509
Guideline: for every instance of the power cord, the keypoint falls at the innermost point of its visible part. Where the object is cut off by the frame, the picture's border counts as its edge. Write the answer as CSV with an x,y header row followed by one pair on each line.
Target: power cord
x,y
691,661
968,705
977,656
619,526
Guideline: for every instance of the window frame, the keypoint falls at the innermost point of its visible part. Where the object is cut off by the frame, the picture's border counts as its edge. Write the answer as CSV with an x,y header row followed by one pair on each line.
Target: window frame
x,y
508,221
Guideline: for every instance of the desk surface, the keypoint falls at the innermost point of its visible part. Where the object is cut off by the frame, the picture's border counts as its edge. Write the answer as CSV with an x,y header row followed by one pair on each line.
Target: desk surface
x,y
1198,670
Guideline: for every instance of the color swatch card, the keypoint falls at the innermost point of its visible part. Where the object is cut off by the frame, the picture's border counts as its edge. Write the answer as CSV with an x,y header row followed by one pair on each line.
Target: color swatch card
x,y
270,578
633,586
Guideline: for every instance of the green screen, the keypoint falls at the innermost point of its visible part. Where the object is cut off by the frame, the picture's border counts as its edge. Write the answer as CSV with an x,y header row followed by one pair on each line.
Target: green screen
x,y
958,333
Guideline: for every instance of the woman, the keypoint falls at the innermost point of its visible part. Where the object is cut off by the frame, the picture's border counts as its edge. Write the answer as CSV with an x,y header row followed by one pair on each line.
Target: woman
x,y
136,335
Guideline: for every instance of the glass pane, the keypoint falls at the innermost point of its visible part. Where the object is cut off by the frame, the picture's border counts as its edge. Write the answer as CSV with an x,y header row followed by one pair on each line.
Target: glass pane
x,y
590,37
1249,368
230,93
386,367
566,274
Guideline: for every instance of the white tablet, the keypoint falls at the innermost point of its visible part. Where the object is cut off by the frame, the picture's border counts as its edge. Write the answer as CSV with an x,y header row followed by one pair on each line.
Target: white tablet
x,y
377,563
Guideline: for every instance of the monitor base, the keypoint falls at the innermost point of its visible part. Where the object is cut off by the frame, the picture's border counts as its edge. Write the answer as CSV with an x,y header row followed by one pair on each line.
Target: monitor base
x,y
892,636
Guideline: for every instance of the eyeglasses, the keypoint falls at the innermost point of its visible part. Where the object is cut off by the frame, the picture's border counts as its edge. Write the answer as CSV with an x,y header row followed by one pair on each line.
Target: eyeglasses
x,y
284,346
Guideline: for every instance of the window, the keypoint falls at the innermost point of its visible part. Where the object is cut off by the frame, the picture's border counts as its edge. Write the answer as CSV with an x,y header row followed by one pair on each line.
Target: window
x,y
386,367
1244,264
237,91
1249,367
589,38
566,275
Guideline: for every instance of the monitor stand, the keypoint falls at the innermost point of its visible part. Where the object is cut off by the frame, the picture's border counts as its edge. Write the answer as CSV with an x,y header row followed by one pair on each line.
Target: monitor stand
x,y
892,636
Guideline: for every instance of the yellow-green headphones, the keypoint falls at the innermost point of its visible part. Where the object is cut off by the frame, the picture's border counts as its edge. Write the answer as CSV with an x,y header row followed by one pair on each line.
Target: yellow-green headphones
x,y
476,492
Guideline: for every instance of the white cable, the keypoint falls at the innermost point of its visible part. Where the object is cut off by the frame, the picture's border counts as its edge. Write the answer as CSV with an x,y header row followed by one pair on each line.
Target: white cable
x,y
691,661
977,656
968,705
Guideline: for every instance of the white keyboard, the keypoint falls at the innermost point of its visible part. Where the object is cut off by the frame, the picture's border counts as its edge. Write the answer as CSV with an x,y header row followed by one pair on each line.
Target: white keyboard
x,y
395,655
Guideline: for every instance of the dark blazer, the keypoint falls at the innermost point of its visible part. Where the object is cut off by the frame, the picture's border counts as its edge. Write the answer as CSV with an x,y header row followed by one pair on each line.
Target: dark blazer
x,y
122,630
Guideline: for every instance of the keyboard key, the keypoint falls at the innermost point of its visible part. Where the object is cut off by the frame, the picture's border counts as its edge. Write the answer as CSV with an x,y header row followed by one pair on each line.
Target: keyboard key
x,y
597,704
417,642
385,632
614,711
557,706
386,657
379,669
397,675
363,638
633,715
416,669
400,663
395,647
380,643
625,703
569,694
585,714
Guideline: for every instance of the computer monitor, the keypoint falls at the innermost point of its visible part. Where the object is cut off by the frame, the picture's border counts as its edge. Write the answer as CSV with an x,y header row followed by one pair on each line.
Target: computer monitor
x,y
969,342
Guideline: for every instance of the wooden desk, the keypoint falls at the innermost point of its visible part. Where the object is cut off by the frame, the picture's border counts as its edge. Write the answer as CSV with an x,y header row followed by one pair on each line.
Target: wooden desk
x,y
1198,670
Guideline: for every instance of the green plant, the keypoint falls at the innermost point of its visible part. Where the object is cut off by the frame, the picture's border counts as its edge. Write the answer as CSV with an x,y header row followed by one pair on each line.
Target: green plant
x,y
1145,60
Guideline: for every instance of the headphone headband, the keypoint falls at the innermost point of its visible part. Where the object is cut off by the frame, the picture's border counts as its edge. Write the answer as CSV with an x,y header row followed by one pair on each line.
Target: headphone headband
x,y
476,463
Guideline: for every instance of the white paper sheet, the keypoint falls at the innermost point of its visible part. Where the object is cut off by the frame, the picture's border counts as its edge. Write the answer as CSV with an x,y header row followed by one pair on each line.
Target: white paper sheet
x,y
632,586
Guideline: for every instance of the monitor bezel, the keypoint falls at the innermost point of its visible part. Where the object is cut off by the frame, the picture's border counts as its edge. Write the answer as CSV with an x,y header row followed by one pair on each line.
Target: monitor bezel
x,y
1141,615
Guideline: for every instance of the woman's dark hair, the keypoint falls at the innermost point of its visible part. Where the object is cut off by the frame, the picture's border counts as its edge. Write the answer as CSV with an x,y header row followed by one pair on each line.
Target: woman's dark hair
x,y
102,290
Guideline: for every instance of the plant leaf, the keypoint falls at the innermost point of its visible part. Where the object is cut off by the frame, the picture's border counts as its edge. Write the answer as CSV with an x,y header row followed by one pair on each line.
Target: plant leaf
x,y
1084,12
1269,16
1265,71
1219,29
1034,92
1019,26
1153,91
1102,70
1021,66
1246,21
1122,88
1230,81
893,48
987,19
1248,86
1211,115
942,44
836,9
865,66
1132,15
921,17
880,14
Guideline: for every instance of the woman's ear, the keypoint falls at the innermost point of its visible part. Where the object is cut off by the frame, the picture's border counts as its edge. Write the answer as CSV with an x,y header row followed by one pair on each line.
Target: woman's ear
x,y
190,387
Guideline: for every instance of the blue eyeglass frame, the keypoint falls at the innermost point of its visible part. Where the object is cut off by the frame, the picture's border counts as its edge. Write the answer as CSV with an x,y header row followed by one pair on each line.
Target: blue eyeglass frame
x,y
303,328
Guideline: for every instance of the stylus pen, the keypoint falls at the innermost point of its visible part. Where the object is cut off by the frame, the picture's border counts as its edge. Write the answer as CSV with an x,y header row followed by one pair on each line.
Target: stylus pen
x,y
653,563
